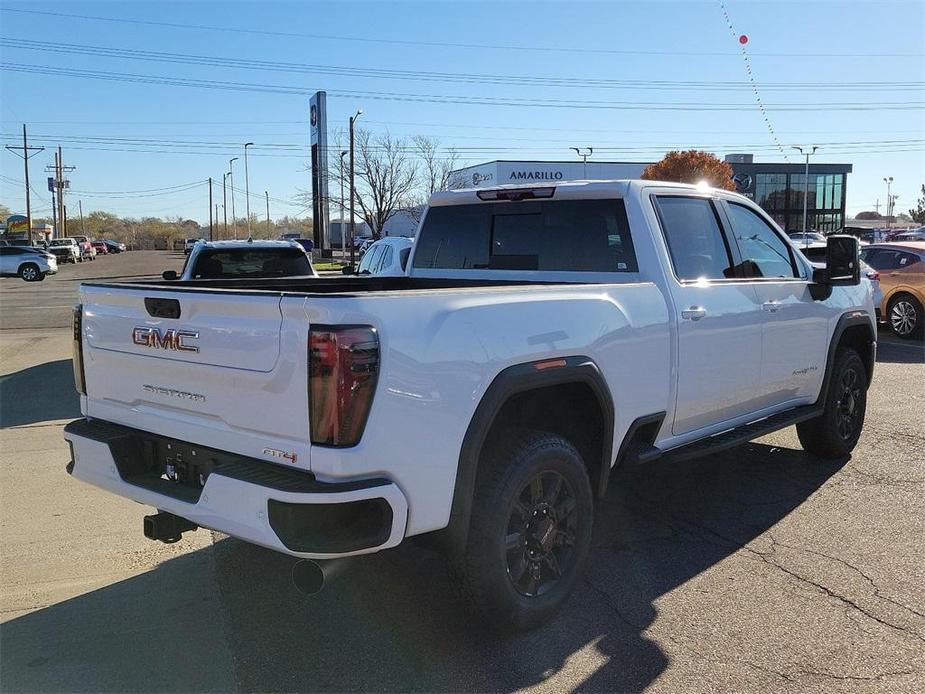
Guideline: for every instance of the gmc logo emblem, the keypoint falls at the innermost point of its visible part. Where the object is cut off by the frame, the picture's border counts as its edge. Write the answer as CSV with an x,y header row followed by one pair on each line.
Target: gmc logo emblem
x,y
176,340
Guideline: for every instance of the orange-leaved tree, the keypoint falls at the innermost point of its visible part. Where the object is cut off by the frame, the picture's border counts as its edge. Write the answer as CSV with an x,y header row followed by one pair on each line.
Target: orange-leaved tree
x,y
692,166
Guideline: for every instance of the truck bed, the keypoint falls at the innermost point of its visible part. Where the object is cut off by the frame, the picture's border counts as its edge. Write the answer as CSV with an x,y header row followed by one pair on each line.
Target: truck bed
x,y
343,286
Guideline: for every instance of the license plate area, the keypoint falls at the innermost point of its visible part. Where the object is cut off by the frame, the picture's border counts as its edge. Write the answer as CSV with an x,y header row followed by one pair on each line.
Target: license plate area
x,y
167,466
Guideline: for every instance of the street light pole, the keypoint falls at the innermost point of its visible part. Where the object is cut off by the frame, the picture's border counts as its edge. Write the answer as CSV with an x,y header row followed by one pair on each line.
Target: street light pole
x,y
225,204
267,196
584,158
234,222
806,188
352,190
889,203
247,189
343,236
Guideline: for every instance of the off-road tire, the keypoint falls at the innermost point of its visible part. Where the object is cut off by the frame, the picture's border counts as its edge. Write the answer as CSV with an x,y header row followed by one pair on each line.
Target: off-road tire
x,y
835,432
503,500
30,272
906,309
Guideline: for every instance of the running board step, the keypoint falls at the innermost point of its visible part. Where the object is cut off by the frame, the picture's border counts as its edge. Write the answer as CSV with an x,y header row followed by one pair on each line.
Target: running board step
x,y
733,437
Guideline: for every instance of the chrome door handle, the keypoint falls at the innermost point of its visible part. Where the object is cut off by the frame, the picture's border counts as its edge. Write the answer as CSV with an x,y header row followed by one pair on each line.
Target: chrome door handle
x,y
772,306
694,313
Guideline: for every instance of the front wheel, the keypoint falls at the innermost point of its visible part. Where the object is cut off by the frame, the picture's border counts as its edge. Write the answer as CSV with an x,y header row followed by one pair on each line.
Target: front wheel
x,y
835,432
904,314
530,532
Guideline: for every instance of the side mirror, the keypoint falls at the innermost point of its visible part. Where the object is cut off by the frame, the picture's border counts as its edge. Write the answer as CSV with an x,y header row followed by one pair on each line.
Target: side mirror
x,y
169,274
348,270
842,261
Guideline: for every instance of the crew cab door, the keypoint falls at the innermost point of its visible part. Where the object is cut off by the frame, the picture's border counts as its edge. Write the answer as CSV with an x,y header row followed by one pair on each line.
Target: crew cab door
x,y
718,317
794,326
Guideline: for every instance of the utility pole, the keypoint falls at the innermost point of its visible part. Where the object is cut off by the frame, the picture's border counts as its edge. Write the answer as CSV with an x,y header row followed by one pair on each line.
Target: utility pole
x,y
352,190
889,200
234,222
211,234
80,207
343,235
247,189
225,203
210,208
26,149
267,195
806,188
54,207
584,158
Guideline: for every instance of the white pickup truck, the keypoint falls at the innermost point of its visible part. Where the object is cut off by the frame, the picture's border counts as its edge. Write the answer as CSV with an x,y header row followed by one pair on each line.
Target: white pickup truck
x,y
542,337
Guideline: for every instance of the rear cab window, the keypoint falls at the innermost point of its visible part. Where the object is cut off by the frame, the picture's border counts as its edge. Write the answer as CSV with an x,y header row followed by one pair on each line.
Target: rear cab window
x,y
547,235
232,263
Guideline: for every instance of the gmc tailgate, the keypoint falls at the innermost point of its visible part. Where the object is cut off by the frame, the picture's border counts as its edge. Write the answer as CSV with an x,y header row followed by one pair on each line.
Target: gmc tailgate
x,y
221,369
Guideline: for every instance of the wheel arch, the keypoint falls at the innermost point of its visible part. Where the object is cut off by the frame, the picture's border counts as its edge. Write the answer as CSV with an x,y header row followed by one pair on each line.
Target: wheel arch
x,y
853,329
537,383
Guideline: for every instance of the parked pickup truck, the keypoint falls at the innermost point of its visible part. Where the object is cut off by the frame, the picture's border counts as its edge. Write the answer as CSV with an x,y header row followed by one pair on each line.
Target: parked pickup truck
x,y
541,338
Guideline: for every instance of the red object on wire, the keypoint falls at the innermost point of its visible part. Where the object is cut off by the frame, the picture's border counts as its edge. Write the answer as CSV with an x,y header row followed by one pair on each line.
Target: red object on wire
x,y
743,39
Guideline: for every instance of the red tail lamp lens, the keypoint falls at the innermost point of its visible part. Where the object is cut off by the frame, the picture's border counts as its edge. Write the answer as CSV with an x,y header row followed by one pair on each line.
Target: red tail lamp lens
x,y
343,367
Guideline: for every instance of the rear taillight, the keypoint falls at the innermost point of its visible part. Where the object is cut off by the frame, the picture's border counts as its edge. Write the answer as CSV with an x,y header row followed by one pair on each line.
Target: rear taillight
x,y
78,356
343,364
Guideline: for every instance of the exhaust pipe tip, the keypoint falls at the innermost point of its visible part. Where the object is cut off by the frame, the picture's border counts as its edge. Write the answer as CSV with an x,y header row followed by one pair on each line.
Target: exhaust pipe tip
x,y
308,576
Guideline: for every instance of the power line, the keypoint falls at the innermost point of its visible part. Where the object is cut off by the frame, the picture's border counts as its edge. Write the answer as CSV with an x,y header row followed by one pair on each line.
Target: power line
x,y
442,44
453,99
572,82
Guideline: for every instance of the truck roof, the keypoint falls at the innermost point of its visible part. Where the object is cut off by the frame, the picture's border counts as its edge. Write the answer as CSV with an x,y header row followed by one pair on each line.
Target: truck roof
x,y
570,190
254,243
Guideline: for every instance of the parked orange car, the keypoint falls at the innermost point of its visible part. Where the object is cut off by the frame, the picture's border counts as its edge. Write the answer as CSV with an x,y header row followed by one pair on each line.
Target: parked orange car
x,y
902,278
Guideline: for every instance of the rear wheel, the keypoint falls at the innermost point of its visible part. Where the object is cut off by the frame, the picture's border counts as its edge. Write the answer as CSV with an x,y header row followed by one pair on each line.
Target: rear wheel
x,y
835,432
530,531
30,273
904,314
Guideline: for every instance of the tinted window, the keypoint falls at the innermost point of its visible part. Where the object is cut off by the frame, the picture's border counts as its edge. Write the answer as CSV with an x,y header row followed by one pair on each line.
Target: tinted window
x,y
694,239
386,260
883,258
764,252
370,259
251,262
403,257
562,236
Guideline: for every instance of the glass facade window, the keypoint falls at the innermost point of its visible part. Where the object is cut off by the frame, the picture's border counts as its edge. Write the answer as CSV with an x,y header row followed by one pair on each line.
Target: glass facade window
x,y
781,196
771,191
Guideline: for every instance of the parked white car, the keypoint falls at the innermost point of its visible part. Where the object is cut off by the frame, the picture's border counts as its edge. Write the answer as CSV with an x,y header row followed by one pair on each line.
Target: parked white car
x,y
541,337
31,264
386,257
214,260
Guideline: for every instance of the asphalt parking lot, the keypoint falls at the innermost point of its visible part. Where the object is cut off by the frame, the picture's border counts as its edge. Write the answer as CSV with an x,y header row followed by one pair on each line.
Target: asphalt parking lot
x,y
758,569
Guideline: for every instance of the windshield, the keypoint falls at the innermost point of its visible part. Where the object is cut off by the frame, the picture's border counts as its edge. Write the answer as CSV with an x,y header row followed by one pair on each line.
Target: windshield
x,y
61,242
251,262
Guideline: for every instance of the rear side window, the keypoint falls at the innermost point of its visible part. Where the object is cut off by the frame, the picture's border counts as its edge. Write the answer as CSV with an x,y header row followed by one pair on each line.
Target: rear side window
x,y
559,236
764,252
695,241
247,262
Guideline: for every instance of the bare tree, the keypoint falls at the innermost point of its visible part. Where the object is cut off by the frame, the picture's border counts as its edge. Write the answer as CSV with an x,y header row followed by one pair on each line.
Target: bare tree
x,y
435,172
386,178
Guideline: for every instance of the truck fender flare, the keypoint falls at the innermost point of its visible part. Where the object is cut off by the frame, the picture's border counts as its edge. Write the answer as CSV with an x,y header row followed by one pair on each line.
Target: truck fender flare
x,y
847,320
511,381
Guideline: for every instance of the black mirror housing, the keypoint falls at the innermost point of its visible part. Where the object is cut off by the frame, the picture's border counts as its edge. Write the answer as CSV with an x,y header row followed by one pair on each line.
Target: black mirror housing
x,y
842,260
348,270
169,275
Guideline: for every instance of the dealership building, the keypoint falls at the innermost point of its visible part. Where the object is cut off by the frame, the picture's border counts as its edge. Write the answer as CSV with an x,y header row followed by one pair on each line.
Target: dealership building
x,y
777,187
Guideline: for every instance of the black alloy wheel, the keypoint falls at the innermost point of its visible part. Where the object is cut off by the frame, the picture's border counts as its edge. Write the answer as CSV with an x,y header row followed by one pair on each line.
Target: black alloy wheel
x,y
540,538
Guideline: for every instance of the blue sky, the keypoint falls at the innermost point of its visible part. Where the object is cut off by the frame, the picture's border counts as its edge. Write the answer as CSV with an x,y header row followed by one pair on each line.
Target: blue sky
x,y
126,136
